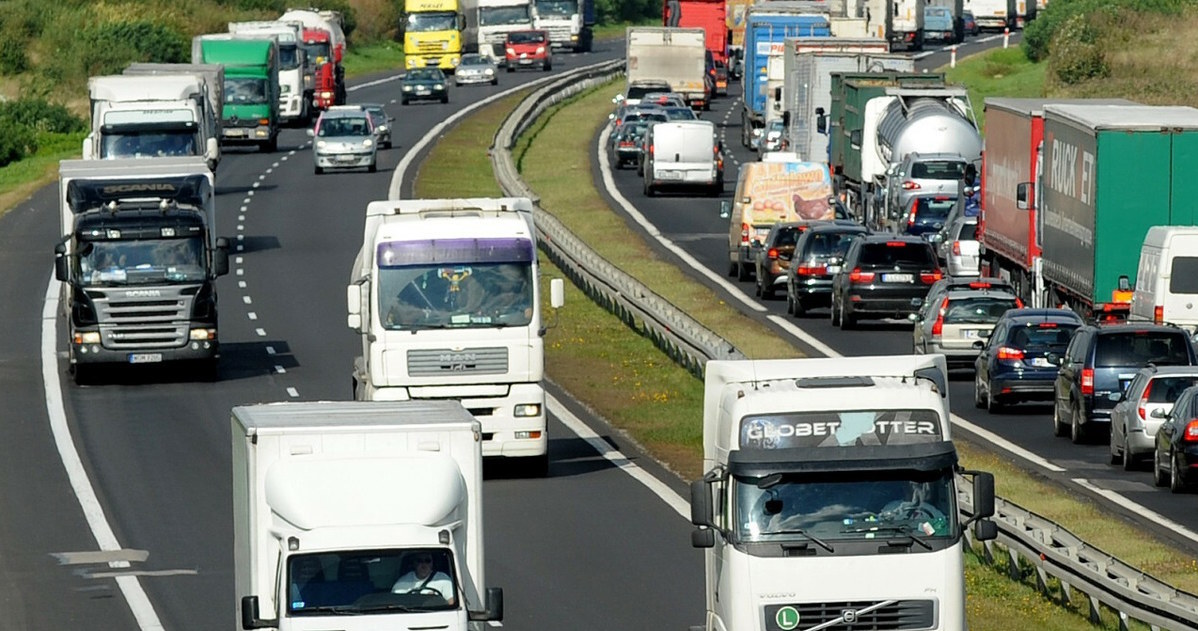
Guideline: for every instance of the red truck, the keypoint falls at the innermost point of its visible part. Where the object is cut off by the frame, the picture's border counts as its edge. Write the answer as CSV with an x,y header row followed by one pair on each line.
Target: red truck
x,y
1008,235
708,15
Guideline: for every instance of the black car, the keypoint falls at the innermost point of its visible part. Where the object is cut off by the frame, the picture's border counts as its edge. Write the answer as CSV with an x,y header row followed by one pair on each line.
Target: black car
x,y
423,84
1019,361
1099,364
626,146
883,276
816,259
1175,453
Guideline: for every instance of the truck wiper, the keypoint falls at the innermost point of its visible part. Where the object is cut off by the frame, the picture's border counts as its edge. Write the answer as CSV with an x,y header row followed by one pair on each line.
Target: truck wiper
x,y
902,530
798,531
396,608
340,610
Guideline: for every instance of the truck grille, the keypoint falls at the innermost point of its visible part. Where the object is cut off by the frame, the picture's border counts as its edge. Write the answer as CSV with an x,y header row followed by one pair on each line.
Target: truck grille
x,y
136,323
559,34
435,46
496,38
442,361
893,616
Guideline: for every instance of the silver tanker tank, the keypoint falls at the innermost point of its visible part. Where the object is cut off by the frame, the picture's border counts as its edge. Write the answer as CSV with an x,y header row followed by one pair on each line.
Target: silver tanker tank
x,y
928,125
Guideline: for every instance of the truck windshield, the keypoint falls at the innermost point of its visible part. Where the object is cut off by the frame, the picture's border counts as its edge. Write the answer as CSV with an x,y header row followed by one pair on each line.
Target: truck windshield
x,y
318,52
499,16
477,295
289,57
142,262
432,21
557,8
245,90
371,581
844,506
148,143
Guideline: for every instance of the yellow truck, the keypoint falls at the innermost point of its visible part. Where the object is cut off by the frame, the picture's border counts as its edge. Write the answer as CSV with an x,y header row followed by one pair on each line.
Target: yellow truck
x,y
437,32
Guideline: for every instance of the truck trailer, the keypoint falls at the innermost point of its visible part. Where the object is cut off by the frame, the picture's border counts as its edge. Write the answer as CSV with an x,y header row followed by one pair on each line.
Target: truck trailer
x,y
829,495
446,296
674,55
138,263
1108,173
709,15
360,516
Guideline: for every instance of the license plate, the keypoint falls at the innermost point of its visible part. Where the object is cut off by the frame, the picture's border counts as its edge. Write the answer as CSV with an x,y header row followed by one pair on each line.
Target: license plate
x,y
897,278
1040,362
235,132
971,334
833,269
145,358
420,90
670,175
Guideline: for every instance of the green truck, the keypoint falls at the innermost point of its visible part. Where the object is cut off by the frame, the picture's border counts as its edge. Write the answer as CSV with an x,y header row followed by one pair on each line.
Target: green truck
x,y
1106,174
250,113
854,170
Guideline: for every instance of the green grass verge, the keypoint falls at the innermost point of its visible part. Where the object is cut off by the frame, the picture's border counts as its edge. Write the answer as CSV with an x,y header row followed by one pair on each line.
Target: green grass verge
x,y
380,57
1000,72
592,355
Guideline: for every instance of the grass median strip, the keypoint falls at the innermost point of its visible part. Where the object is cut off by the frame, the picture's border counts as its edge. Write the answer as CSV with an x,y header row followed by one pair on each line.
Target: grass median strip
x,y
639,391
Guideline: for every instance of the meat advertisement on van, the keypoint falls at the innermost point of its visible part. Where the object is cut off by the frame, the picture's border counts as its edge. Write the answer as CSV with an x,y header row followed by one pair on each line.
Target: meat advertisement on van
x,y
788,191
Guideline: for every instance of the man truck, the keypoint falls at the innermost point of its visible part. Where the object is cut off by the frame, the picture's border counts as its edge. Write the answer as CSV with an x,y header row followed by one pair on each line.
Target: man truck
x,y
829,496
250,114
138,262
446,296
570,23
355,515
497,18
436,33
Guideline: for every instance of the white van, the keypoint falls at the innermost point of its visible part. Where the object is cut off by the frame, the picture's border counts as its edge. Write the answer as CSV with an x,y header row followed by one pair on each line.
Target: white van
x,y
1167,277
683,154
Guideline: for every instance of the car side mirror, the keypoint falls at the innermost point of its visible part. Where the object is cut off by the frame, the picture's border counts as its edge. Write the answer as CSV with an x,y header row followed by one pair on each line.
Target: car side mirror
x,y
1055,360
979,345
311,133
1158,413
725,209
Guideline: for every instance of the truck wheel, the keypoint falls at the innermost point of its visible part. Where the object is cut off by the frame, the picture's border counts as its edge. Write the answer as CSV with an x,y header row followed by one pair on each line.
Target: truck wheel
x,y
535,466
272,145
82,374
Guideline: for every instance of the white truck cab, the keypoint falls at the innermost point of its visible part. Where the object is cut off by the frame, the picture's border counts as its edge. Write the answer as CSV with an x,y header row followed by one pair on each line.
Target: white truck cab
x,y
829,495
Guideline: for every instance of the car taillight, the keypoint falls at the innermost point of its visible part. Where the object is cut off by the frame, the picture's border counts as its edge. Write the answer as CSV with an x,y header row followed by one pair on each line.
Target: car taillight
x,y
1018,303
910,186
928,278
938,325
859,277
812,270
1143,400
745,231
1087,381
1047,325
1008,353
911,215
650,150
1158,314
1190,433
771,253
957,248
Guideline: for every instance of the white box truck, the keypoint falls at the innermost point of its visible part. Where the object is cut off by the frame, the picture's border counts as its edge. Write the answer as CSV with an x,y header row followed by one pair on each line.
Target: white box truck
x,y
359,516
674,55
446,296
829,495
152,116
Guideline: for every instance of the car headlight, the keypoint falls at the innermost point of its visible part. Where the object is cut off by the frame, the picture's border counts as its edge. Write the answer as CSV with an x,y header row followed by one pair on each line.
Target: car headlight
x,y
511,51
439,86
367,143
320,144
540,49
407,88
489,71
381,129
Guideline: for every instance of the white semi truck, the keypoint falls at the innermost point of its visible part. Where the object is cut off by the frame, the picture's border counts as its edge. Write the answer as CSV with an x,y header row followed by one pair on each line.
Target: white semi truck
x,y
359,516
137,116
829,495
446,296
295,96
497,18
570,23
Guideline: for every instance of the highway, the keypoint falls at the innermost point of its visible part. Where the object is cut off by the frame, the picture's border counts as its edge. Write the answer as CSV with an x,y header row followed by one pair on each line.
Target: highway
x,y
135,530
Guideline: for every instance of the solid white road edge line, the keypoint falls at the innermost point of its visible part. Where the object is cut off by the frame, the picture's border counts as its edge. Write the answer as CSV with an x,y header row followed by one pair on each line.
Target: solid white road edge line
x,y
130,586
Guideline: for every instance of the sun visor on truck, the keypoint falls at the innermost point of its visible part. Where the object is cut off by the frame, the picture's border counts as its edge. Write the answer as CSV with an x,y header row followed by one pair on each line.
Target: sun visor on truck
x,y
84,195
755,463
454,251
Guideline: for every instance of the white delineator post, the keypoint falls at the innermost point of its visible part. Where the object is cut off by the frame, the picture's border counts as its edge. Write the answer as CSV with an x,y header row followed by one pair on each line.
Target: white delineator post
x,y
1006,37
952,57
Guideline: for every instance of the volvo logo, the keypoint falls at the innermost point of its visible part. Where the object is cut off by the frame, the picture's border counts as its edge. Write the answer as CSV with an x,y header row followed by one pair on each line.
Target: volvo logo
x,y
143,293
849,616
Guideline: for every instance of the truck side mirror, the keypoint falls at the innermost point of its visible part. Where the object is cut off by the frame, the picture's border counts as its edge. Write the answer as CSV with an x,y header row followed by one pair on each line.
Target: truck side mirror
x,y
211,151
1023,196
703,538
557,293
700,503
461,22
249,614
983,495
61,270
786,119
356,296
855,139
725,209
220,257
494,607
821,120
86,152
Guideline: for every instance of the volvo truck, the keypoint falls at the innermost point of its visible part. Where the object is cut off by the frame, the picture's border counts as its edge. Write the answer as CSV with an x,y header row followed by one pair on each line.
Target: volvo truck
x,y
446,296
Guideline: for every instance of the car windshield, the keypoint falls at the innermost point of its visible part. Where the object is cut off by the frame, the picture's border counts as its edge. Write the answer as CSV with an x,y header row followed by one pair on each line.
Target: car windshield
x,y
938,169
639,91
1167,389
387,581
898,253
828,244
1049,336
473,60
841,506
423,74
787,236
526,38
978,309
679,114
929,208
969,232
142,262
1141,347
343,126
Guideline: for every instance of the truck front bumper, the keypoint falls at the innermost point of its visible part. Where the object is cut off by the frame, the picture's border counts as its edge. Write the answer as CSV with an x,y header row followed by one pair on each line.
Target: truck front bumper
x,y
238,135
194,350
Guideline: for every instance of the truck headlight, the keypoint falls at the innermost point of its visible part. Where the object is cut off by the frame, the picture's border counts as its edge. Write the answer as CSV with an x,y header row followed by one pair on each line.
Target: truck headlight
x,y
93,337
203,334
524,410
284,89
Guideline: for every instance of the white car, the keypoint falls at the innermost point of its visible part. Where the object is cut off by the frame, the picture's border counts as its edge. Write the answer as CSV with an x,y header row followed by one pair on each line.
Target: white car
x,y
476,69
960,249
344,139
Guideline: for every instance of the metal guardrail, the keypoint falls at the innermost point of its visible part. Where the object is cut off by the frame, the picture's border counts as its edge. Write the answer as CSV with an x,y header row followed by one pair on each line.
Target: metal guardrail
x,y
1034,548
680,336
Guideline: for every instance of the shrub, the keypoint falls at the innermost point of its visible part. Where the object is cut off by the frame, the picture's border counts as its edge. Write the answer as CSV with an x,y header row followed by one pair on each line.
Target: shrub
x,y
16,141
1076,55
13,59
110,45
632,11
376,20
1041,32
41,116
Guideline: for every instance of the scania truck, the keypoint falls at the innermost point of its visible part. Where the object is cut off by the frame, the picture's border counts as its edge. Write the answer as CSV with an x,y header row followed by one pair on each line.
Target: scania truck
x,y
436,33
138,262
359,516
446,296
829,495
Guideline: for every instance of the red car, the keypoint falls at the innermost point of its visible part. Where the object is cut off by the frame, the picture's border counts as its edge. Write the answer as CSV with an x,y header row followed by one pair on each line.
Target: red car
x,y
527,49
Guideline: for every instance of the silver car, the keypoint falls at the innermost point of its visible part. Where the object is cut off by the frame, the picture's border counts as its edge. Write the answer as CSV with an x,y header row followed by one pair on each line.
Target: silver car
x,y
954,323
382,123
959,247
1141,410
476,68
344,139
923,174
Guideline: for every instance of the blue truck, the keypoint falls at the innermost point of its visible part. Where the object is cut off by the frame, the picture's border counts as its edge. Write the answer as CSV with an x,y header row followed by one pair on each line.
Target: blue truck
x,y
767,25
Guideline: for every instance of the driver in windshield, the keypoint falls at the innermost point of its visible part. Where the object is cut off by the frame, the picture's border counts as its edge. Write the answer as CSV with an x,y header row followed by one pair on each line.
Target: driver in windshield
x,y
424,578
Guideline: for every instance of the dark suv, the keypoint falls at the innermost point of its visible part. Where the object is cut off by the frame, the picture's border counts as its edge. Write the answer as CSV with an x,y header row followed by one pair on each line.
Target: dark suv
x,y
1099,364
817,258
883,276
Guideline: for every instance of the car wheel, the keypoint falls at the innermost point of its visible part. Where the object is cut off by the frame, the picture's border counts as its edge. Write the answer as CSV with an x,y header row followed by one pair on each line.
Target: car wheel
x,y
1130,462
847,320
979,402
743,273
403,101
800,308
495,81
1116,457
790,302
511,69
835,314
1077,431
445,99
387,145
1058,428
757,291
318,171
374,167
993,404
767,293
1177,484
1158,474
